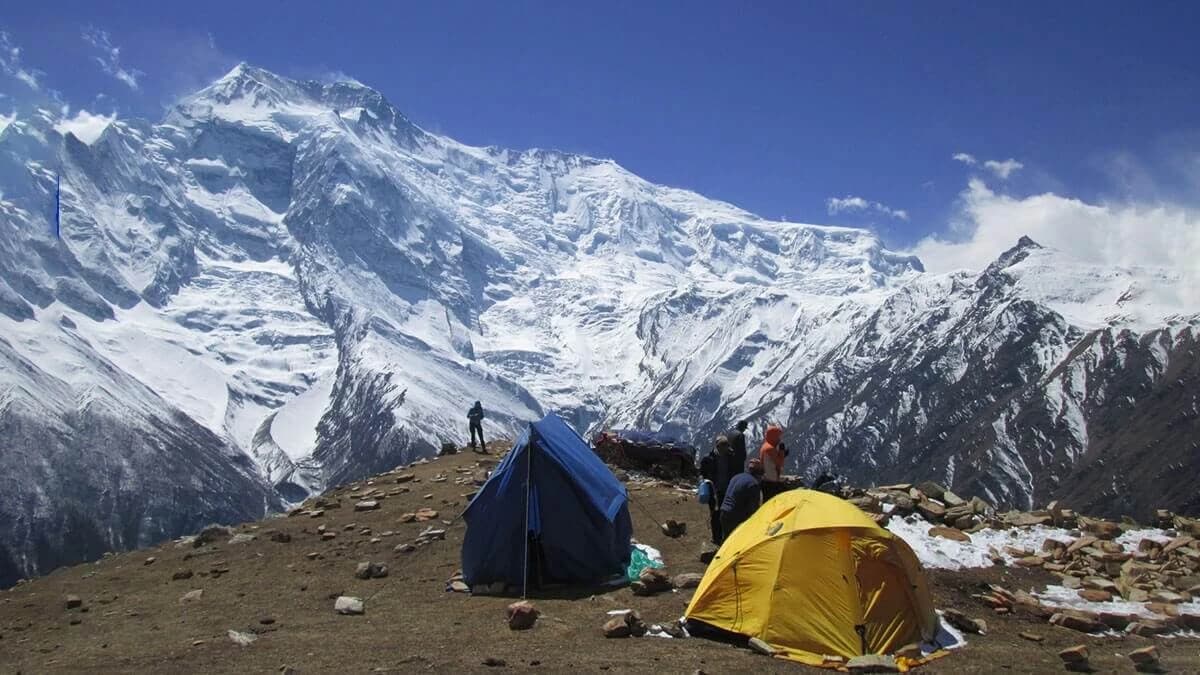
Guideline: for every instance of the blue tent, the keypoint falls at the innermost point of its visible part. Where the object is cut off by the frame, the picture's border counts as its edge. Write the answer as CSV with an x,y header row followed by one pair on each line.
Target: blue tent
x,y
552,511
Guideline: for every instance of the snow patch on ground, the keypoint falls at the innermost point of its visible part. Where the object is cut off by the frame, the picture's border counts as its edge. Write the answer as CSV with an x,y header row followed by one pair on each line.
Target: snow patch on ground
x,y
946,554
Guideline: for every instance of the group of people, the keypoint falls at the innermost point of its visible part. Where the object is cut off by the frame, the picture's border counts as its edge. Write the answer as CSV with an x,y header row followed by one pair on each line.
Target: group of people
x,y
738,485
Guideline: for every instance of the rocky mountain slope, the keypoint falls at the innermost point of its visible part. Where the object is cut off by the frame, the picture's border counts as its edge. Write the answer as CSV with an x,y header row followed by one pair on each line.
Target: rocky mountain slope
x,y
286,285
260,597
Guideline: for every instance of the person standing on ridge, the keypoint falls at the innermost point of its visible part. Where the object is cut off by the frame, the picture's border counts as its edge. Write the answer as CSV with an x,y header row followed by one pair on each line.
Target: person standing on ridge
x,y
719,466
737,445
475,421
771,454
742,497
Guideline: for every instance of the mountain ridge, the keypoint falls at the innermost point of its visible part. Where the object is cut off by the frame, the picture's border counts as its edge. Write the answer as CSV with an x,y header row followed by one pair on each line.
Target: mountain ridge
x,y
319,289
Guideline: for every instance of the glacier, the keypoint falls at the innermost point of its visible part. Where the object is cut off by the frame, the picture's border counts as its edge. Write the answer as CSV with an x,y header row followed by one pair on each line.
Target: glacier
x,y
286,285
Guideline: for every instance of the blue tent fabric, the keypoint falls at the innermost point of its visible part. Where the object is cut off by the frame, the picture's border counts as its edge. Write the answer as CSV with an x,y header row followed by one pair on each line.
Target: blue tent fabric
x,y
578,510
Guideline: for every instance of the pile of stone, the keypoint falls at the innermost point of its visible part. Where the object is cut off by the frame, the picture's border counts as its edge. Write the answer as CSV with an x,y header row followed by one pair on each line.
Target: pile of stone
x,y
933,502
1163,604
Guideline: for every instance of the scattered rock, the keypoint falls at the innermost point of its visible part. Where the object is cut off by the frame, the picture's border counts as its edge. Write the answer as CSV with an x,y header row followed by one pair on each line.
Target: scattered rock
x,y
150,561
1076,655
1100,584
1148,627
326,536
674,529
707,552
1032,637
932,490
872,663
346,604
1094,595
241,639
950,533
1083,622
1101,529
626,625
950,499
458,586
761,647
281,537
404,548
931,511
1144,658
211,535
521,615
74,602
1116,620
492,662
686,580
192,596
424,514
181,575
242,538
1027,519
652,580
370,570
367,505
616,628
964,623
1166,597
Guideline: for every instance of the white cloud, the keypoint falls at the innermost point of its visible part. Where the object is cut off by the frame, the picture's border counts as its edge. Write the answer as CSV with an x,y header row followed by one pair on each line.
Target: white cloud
x,y
835,205
5,121
10,63
110,57
1122,234
86,126
1003,169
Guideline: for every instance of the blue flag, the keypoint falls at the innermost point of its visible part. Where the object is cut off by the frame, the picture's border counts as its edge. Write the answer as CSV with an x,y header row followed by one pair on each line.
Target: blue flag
x,y
58,206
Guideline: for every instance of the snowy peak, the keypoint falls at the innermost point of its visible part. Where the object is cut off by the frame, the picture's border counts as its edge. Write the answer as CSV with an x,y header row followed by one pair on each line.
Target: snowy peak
x,y
288,276
1091,295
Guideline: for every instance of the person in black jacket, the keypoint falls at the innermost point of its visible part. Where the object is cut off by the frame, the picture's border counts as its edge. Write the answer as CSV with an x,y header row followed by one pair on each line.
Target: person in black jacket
x,y
737,444
475,421
718,466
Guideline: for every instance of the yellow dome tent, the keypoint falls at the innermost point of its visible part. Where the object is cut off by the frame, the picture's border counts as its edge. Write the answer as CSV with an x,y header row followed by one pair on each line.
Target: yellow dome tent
x,y
813,576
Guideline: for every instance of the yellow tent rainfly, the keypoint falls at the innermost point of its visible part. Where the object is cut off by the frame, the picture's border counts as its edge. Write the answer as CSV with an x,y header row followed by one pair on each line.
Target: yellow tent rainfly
x,y
813,577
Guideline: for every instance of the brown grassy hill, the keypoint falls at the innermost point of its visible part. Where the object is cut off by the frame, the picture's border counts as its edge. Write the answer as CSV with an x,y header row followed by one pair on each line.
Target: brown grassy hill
x,y
133,620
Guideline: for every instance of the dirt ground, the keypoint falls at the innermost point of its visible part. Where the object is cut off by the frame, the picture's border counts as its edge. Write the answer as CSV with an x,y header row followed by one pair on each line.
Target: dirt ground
x,y
135,620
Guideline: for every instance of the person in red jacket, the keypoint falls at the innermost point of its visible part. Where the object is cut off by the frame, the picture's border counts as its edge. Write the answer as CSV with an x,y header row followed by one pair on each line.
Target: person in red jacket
x,y
772,454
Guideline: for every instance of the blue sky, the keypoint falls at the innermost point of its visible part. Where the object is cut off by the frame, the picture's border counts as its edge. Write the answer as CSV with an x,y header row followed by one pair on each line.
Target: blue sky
x,y
779,107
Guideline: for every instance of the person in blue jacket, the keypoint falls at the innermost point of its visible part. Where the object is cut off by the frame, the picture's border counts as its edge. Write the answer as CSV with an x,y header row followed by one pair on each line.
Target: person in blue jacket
x,y
743,496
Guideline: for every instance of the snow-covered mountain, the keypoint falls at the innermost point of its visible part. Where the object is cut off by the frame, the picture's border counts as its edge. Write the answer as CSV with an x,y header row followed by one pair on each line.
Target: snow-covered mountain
x,y
286,285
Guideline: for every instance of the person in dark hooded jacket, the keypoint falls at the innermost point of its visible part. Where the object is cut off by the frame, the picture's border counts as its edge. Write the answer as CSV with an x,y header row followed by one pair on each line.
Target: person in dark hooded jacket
x,y
737,445
718,466
475,421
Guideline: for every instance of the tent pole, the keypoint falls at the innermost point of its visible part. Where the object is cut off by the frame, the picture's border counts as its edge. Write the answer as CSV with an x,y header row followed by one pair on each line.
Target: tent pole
x,y
528,471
